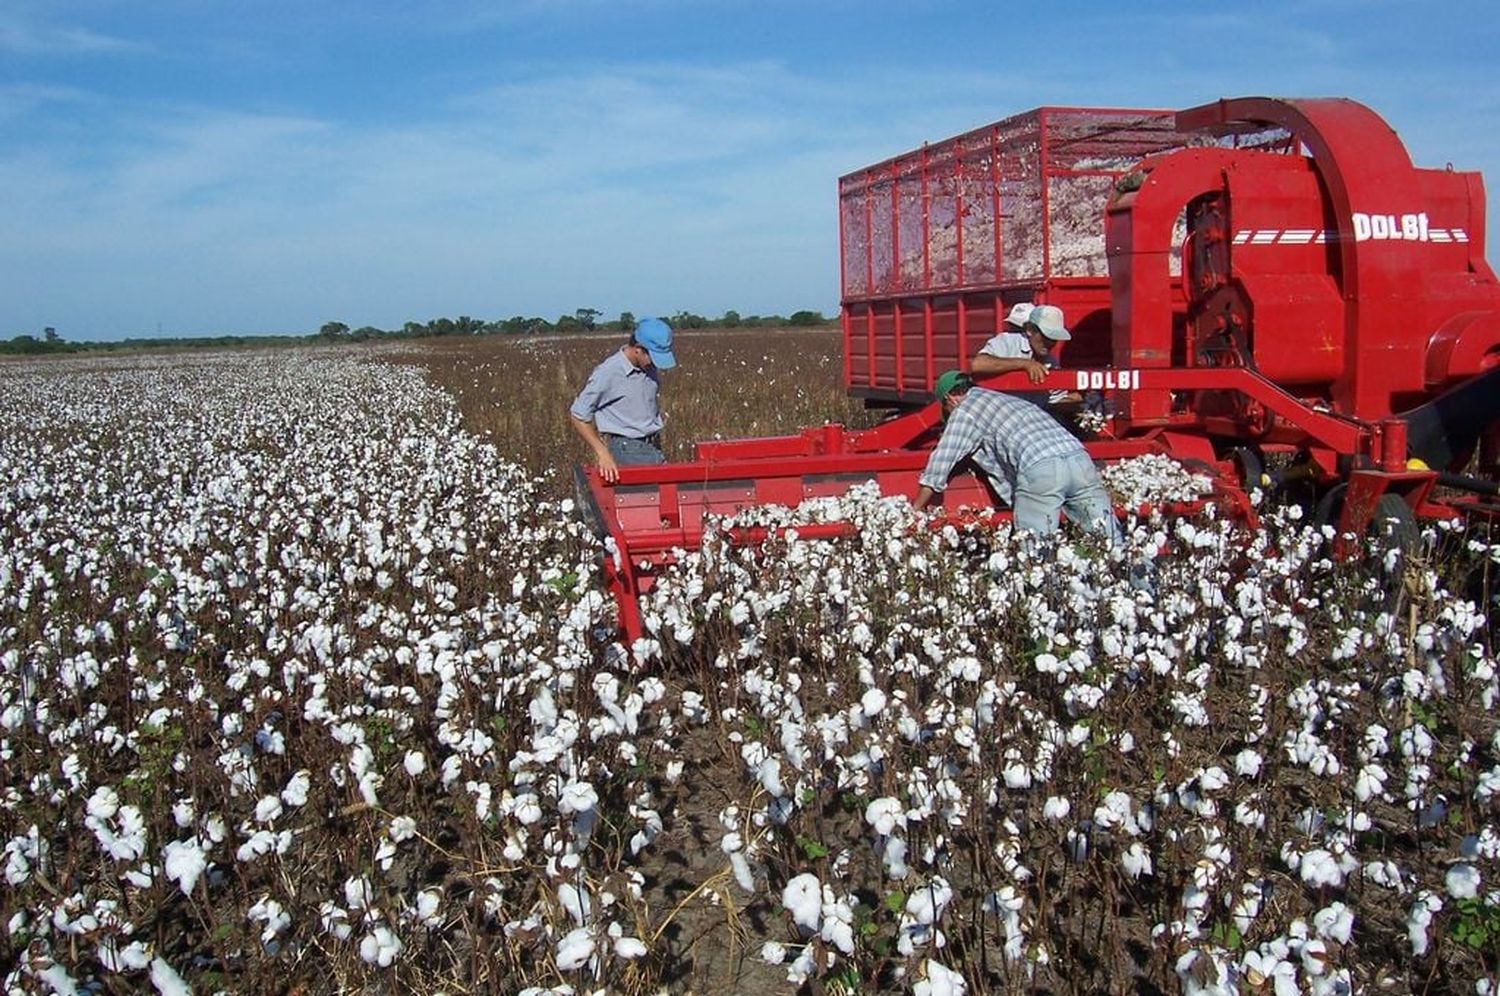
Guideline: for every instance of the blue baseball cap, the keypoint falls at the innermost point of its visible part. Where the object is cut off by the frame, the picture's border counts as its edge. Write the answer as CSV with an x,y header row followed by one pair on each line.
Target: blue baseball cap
x,y
656,336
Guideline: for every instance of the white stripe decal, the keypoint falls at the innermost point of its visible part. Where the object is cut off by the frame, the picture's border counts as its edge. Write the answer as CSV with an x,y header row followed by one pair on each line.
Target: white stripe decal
x,y
1265,236
1460,235
1297,236
1241,237
1439,235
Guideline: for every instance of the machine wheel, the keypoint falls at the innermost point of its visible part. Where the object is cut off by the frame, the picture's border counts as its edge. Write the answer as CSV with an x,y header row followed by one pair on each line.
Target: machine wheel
x,y
1250,466
1330,507
1393,527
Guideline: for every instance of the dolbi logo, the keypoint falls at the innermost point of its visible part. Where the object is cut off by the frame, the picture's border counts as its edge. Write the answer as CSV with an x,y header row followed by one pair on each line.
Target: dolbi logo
x,y
1391,227
1106,380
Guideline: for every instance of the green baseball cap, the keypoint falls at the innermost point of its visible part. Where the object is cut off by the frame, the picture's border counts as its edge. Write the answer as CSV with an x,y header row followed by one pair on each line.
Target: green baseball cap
x,y
949,381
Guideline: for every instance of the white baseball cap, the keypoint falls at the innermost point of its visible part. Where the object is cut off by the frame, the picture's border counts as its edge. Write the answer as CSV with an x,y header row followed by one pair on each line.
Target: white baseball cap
x,y
1019,313
1048,320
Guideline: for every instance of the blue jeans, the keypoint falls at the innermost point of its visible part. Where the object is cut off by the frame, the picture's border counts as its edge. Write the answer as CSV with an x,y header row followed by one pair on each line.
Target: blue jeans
x,y
1067,484
629,451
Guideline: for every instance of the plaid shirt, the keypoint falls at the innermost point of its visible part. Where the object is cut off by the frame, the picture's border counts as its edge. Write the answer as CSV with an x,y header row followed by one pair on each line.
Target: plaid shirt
x,y
1003,434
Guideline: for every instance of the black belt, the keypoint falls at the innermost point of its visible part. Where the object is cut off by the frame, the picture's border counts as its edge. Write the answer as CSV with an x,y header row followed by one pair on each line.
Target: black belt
x,y
654,439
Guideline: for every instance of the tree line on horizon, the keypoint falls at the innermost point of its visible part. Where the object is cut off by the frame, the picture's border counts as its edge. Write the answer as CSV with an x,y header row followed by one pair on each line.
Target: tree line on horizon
x,y
581,320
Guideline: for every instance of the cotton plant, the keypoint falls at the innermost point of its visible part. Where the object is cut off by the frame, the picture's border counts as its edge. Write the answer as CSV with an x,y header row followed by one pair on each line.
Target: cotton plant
x,y
283,634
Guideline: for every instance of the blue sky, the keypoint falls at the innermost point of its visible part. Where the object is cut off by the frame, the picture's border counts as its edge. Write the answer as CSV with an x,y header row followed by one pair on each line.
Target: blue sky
x,y
192,167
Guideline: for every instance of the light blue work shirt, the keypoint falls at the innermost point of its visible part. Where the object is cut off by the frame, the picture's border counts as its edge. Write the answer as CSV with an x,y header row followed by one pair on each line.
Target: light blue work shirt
x,y
620,399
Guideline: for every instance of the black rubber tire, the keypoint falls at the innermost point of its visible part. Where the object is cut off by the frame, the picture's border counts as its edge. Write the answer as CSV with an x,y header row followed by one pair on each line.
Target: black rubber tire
x,y
1251,467
1393,527
1330,506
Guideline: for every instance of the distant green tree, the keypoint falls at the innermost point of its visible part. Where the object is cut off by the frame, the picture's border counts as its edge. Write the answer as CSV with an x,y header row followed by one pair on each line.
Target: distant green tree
x,y
365,332
688,320
730,320
569,323
807,318
587,316
50,334
467,326
626,322
333,330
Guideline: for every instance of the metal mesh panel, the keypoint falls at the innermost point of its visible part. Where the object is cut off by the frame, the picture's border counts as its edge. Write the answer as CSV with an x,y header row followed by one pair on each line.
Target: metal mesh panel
x,y
856,235
967,212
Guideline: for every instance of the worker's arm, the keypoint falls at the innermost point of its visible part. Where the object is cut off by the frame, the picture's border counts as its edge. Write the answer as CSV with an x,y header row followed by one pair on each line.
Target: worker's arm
x,y
960,438
590,435
984,363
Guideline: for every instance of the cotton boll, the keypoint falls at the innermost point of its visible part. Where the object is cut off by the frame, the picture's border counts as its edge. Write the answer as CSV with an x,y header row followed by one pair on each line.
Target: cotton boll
x,y
184,862
1463,881
939,980
803,899
380,947
574,950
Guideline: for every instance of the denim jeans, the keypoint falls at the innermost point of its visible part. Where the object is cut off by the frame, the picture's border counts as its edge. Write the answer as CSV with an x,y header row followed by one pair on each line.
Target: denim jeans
x,y
1067,484
627,450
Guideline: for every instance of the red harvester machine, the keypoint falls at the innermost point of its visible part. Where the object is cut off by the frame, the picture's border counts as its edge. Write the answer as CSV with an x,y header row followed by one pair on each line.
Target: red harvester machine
x,y
1253,276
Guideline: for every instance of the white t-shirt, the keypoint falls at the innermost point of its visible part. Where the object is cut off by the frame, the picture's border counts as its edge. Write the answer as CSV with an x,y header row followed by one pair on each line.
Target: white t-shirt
x,y
1008,346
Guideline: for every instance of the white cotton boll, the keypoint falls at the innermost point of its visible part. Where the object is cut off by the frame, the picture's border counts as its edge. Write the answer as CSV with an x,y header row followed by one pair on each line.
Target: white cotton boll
x,y
380,947
131,958
357,893
183,813
838,923
768,773
1319,868
940,981
426,910
575,903
166,980
184,862
577,797
1136,860
893,856
743,873
403,828
925,905
1248,763
295,793
885,815
873,702
1463,881
1056,808
772,953
803,898
803,967
629,948
1334,922
415,763
575,949
1418,919
268,809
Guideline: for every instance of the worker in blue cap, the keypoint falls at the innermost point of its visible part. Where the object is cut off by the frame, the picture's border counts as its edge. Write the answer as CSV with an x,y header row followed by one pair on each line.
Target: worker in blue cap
x,y
617,413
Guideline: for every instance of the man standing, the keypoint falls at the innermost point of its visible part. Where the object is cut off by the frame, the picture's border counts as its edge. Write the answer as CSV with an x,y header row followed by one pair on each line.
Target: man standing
x,y
617,413
1034,464
1026,344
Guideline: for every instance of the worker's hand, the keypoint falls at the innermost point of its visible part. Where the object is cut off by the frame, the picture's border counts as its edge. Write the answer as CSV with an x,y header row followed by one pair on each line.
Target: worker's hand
x,y
608,469
1035,370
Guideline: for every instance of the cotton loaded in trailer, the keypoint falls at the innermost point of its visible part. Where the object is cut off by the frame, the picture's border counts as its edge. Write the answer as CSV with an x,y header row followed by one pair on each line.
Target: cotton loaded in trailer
x,y
1265,290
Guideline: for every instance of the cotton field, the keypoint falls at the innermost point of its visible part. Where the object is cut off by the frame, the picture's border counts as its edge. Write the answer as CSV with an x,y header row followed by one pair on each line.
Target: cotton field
x,y
305,688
